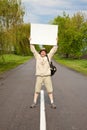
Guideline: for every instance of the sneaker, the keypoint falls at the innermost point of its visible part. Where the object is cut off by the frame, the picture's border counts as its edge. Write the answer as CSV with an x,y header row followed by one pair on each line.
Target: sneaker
x,y
53,106
33,105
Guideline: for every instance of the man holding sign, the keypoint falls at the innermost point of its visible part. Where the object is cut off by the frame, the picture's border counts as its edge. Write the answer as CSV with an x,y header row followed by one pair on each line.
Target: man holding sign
x,y
43,72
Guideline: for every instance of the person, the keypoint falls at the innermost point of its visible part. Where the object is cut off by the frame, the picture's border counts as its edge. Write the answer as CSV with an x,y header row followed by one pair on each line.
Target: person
x,y
43,73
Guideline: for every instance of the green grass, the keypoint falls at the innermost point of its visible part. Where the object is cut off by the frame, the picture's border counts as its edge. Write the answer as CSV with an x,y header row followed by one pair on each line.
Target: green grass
x,y
11,61
79,65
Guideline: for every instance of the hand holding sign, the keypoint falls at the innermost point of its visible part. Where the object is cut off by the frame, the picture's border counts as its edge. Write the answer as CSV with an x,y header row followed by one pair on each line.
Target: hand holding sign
x,y
44,34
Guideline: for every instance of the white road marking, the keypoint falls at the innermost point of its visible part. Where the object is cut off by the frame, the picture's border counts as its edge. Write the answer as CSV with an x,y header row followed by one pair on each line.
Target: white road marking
x,y
42,111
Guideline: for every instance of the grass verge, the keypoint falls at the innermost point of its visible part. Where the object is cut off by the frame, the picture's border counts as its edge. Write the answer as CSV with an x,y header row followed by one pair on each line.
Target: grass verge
x,y
79,65
10,61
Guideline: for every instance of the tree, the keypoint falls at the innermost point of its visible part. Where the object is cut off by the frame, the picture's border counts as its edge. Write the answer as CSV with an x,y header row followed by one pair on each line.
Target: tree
x,y
21,41
84,37
11,15
70,34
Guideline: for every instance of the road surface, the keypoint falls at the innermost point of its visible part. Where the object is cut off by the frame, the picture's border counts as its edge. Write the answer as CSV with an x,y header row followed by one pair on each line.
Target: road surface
x,y
16,96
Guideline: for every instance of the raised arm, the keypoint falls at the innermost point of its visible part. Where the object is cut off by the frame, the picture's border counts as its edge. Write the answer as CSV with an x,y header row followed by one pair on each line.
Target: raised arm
x,y
53,51
33,50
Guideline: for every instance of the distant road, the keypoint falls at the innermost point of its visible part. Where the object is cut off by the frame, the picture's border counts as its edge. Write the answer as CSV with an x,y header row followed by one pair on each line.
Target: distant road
x,y
16,96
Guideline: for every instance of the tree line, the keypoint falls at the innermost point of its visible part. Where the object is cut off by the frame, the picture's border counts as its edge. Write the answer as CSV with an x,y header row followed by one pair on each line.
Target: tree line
x,y
72,34
14,33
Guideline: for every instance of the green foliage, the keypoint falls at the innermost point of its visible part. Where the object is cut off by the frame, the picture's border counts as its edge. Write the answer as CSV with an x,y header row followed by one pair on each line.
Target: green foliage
x,y
71,37
21,42
84,38
14,33
11,13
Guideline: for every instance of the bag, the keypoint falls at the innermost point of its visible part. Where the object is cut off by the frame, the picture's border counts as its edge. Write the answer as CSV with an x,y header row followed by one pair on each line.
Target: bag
x,y
53,68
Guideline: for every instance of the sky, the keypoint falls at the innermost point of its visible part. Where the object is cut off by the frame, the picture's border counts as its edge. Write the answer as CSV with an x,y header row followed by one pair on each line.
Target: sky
x,y
43,11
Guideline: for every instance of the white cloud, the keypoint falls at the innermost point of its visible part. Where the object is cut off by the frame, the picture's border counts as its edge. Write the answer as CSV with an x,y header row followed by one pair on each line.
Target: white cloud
x,y
30,16
48,3
45,8
40,9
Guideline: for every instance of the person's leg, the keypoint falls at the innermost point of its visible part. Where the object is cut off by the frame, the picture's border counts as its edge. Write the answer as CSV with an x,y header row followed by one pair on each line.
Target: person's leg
x,y
52,100
35,97
35,100
37,91
49,87
51,97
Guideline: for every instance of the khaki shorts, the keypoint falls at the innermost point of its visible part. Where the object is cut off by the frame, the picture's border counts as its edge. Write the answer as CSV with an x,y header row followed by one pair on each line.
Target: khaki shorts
x,y
46,80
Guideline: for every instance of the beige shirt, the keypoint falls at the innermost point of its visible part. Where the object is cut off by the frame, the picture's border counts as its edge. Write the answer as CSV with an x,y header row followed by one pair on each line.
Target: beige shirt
x,y
42,64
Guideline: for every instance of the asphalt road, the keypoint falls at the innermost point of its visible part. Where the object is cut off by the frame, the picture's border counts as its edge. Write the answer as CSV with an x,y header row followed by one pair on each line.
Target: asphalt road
x,y
16,96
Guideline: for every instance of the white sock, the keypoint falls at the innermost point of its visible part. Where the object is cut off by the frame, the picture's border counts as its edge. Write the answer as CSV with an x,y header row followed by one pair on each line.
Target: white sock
x,y
51,101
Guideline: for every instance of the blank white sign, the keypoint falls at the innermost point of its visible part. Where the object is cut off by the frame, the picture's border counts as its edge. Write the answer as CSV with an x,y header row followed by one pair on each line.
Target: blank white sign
x,y
44,34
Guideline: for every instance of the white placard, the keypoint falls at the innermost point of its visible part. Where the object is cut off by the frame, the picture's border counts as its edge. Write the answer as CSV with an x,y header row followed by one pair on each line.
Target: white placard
x,y
44,34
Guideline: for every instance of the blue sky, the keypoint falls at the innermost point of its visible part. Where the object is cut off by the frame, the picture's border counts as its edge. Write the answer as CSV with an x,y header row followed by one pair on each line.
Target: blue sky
x,y
43,11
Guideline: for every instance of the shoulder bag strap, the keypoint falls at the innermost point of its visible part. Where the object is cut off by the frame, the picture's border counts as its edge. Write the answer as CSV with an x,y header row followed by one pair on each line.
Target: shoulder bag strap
x,y
48,58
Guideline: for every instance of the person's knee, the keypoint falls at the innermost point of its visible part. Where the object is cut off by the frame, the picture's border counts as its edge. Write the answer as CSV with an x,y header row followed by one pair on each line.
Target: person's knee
x,y
37,92
50,92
